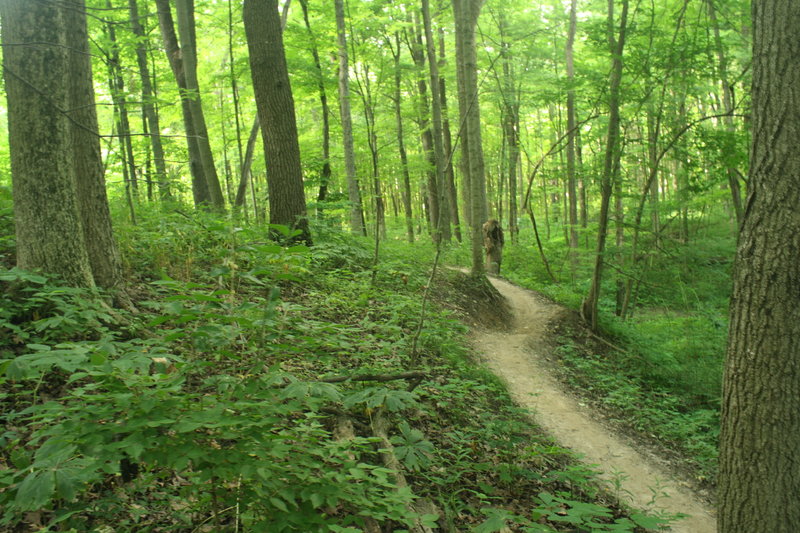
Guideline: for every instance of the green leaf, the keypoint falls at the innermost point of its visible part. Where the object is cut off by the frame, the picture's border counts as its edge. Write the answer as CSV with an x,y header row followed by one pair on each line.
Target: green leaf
x,y
279,504
35,491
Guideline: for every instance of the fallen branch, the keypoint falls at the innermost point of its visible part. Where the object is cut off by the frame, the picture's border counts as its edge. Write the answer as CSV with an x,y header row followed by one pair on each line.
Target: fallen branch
x,y
375,377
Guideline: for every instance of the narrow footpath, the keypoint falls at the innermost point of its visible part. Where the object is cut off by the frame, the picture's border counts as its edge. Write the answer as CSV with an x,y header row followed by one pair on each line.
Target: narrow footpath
x,y
516,356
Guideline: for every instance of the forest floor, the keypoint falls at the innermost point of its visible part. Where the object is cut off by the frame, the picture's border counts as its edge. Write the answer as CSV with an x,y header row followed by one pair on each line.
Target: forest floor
x,y
519,355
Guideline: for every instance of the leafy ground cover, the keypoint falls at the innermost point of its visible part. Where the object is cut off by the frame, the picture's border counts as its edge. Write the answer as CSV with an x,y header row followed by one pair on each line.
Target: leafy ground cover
x,y
261,387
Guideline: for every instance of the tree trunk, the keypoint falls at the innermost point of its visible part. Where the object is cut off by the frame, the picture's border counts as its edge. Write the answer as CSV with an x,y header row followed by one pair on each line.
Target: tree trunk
x,y
571,133
727,99
273,94
325,173
759,477
59,195
200,190
184,9
443,222
611,162
148,96
426,133
450,176
353,192
466,15
401,146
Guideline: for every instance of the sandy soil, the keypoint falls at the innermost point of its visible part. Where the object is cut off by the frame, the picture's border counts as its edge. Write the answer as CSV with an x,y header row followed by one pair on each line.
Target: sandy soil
x,y
517,357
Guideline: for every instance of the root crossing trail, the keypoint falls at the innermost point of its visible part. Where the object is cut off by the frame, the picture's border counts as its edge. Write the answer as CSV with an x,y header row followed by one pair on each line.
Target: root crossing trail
x,y
516,356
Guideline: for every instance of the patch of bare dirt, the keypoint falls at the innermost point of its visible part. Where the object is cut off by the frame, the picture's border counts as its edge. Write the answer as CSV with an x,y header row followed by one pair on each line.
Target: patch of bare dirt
x,y
518,356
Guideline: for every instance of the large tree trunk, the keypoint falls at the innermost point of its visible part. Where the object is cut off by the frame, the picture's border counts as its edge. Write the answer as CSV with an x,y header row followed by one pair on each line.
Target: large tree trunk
x,y
466,15
184,10
759,477
88,162
200,192
353,192
148,96
273,93
612,157
59,195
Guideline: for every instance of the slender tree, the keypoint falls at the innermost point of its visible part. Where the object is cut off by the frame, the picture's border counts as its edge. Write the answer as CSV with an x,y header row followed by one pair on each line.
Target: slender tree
x,y
353,192
759,477
571,133
184,10
616,42
200,191
273,92
148,96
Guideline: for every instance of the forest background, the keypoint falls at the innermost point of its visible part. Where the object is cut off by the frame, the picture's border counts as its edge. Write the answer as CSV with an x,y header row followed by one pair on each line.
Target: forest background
x,y
596,118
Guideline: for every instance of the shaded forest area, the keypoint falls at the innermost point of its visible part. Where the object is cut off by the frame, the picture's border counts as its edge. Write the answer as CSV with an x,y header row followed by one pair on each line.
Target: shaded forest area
x,y
223,227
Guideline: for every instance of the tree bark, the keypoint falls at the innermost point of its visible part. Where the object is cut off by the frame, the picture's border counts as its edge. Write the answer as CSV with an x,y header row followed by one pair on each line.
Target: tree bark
x,y
184,9
450,176
611,162
401,146
200,191
759,477
353,192
727,99
571,134
443,222
466,16
148,96
325,173
57,173
273,93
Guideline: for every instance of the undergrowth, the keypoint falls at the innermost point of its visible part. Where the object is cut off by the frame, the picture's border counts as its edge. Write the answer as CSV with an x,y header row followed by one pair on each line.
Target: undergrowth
x,y
220,404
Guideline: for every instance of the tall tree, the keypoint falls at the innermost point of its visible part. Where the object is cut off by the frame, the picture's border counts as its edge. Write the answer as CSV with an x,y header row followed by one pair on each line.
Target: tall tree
x,y
200,191
325,172
442,224
148,96
273,93
616,43
401,145
759,477
571,133
353,191
466,16
184,9
61,212
727,100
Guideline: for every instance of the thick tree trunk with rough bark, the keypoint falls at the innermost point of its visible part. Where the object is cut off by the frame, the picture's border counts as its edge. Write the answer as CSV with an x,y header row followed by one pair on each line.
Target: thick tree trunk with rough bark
x,y
759,477
273,93
353,192
87,159
57,173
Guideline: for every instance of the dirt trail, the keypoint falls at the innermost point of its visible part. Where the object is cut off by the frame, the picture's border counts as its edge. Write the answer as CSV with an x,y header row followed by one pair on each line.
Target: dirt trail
x,y
516,357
